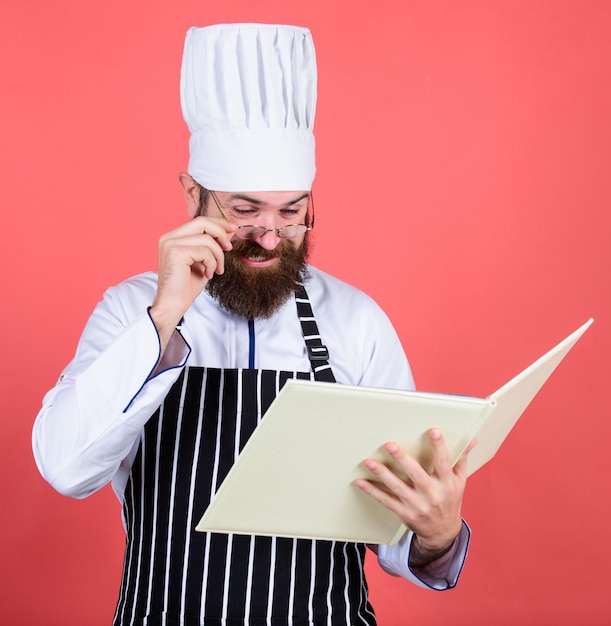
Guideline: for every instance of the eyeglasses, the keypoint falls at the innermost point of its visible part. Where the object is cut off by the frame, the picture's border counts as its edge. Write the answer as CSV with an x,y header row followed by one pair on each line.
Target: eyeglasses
x,y
252,231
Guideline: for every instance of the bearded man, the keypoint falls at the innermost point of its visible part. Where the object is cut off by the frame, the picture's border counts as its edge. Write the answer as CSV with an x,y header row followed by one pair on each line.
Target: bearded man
x,y
175,369
260,275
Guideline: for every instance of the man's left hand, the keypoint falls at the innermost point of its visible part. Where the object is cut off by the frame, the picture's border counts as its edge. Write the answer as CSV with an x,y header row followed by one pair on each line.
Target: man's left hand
x,y
429,504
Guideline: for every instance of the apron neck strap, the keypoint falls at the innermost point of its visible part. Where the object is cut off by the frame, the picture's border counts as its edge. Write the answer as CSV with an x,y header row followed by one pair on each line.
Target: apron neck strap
x,y
318,354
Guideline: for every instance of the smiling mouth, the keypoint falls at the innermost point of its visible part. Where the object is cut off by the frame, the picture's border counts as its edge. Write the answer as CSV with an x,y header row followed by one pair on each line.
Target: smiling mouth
x,y
253,255
257,258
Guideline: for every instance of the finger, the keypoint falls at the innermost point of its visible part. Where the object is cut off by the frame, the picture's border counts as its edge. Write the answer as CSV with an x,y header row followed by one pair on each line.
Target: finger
x,y
209,257
460,469
221,229
442,465
218,229
193,249
409,466
380,495
388,478
208,262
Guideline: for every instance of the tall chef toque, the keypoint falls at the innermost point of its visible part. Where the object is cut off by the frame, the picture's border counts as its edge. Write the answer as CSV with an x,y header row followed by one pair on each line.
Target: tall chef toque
x,y
248,96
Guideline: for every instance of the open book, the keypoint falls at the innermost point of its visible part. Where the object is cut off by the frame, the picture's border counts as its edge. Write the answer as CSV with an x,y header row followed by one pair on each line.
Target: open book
x,y
293,477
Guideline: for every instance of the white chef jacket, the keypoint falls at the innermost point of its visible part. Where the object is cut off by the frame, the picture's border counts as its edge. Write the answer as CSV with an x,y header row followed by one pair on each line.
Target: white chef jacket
x,y
88,430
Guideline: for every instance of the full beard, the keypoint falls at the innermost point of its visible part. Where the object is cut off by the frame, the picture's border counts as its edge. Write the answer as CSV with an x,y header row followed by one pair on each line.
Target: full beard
x,y
258,292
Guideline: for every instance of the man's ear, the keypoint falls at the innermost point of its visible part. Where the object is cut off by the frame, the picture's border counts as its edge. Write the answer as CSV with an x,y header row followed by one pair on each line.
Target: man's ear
x,y
190,191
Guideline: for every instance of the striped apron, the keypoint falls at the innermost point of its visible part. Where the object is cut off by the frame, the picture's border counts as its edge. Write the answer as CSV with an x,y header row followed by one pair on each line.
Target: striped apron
x,y
175,576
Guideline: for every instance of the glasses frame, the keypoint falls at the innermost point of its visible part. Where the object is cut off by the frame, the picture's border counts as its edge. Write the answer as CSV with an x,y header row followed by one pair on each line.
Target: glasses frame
x,y
278,231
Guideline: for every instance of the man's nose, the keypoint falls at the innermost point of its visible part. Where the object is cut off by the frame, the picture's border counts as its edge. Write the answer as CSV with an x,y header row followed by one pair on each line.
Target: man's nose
x,y
268,240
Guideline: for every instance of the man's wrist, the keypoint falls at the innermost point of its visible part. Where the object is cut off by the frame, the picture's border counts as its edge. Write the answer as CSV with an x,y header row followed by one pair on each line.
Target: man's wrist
x,y
421,555
165,325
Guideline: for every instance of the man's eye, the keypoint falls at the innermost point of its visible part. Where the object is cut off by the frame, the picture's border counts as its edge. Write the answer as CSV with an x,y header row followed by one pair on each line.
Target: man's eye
x,y
243,212
290,212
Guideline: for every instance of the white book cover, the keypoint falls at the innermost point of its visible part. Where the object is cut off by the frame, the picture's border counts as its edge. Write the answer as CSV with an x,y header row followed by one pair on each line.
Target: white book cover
x,y
294,476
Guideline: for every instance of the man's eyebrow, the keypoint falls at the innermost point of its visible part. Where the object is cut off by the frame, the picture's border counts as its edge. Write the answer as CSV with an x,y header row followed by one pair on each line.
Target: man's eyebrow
x,y
257,202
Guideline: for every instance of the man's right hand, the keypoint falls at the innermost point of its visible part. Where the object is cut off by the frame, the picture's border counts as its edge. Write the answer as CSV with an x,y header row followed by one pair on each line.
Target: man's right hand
x,y
188,258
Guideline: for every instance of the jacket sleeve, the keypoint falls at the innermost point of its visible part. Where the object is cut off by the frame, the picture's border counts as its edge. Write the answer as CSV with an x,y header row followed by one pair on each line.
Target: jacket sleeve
x,y
439,575
91,420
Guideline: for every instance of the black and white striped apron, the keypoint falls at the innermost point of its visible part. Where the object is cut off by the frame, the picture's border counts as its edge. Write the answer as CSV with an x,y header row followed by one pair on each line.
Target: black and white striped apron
x,y
175,576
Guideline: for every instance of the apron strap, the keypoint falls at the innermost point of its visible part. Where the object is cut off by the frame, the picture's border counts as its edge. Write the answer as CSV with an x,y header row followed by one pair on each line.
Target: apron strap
x,y
318,354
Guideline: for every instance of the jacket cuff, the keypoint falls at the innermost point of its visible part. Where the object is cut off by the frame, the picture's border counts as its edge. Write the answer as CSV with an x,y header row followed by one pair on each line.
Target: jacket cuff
x,y
439,575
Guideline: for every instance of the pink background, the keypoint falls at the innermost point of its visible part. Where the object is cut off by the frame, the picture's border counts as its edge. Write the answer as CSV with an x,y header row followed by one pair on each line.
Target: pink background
x,y
463,181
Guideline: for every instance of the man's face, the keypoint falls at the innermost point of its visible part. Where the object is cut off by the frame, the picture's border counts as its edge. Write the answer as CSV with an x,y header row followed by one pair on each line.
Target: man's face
x,y
261,273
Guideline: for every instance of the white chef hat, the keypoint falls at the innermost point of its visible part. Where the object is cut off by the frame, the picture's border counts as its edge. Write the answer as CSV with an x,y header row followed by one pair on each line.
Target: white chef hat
x,y
248,96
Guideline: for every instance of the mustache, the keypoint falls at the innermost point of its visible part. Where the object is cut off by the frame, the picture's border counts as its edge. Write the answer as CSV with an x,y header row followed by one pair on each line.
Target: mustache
x,y
246,247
